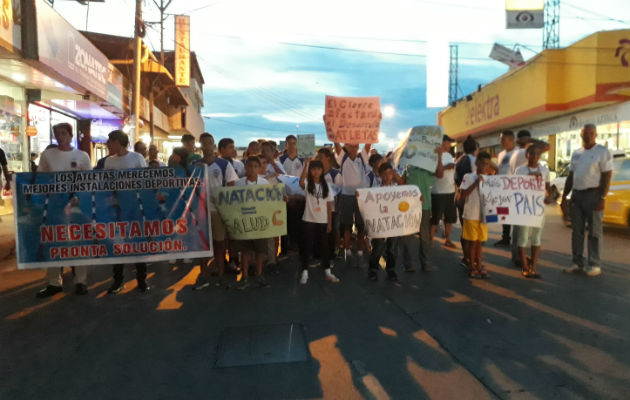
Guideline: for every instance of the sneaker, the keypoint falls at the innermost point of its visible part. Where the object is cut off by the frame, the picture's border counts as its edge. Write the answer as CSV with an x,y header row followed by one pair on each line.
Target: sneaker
x,y
201,286
330,277
262,282
391,276
80,289
48,291
116,287
143,287
593,270
372,275
243,284
502,243
304,277
359,253
574,269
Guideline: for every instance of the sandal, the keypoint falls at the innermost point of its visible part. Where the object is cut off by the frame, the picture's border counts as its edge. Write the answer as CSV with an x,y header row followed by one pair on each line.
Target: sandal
x,y
474,274
483,273
449,244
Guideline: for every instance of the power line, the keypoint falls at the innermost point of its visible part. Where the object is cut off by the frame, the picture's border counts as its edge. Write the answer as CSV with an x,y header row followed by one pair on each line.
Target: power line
x,y
595,13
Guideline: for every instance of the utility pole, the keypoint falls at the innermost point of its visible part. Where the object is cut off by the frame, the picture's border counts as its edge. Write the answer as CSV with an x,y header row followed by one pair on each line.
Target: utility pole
x,y
551,29
139,32
162,6
452,74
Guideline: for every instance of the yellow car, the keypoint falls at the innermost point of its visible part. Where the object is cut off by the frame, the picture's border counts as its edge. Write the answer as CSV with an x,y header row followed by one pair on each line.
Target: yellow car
x,y
617,208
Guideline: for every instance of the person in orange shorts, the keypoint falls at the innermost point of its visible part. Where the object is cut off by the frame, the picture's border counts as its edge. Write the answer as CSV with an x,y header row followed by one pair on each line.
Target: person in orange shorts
x,y
474,231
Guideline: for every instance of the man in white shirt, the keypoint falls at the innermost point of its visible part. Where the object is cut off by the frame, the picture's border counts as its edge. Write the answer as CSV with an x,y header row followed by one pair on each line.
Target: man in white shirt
x,y
227,151
63,158
353,171
589,179
443,193
220,173
503,160
125,159
293,165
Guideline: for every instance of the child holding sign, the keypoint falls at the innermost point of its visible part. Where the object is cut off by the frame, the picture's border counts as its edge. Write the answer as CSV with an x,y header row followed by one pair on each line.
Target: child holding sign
x,y
317,218
474,231
534,168
259,246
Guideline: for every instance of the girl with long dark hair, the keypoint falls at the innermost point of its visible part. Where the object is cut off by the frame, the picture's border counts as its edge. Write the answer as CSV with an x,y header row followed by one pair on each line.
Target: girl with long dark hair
x,y
317,218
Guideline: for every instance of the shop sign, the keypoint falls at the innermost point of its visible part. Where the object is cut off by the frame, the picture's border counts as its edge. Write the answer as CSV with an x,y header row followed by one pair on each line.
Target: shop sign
x,y
482,109
10,31
31,130
64,49
182,50
114,87
524,14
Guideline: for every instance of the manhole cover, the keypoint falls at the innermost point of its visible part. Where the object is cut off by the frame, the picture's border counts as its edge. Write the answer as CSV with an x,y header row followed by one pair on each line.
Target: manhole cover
x,y
263,344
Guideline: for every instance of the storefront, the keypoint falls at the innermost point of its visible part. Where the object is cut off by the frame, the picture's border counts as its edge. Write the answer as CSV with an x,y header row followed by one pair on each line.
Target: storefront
x,y
553,95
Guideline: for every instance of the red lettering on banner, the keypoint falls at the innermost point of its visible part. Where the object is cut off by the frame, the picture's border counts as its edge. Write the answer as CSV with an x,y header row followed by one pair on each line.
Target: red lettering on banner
x,y
182,226
152,228
74,232
135,230
168,227
60,231
46,234
122,226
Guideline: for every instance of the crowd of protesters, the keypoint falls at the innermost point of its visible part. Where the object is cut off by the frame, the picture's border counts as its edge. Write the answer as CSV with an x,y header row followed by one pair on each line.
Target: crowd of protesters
x,y
324,222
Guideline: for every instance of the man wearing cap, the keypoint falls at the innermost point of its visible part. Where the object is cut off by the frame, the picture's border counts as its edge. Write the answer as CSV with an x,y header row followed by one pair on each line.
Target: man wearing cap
x,y
63,157
589,179
503,159
443,193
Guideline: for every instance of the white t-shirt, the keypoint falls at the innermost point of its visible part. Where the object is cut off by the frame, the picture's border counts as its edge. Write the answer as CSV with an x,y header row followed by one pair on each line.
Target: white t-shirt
x,y
445,184
315,209
128,161
503,159
217,178
518,159
53,160
292,166
472,207
244,182
540,169
353,175
588,165
239,167
364,153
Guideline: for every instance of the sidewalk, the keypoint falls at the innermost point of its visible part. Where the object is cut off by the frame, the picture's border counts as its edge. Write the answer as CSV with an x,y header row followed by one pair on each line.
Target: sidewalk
x,y
7,243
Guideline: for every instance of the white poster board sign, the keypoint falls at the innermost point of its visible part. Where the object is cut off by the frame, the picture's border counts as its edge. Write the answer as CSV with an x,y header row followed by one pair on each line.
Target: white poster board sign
x,y
391,210
418,148
306,146
513,200
353,120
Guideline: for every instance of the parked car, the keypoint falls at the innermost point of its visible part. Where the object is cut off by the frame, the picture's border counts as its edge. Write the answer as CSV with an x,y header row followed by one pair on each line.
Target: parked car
x,y
617,208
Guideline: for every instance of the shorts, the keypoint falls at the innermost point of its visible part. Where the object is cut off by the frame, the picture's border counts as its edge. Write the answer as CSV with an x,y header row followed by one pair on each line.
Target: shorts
x,y
474,231
524,233
349,212
219,232
443,205
258,246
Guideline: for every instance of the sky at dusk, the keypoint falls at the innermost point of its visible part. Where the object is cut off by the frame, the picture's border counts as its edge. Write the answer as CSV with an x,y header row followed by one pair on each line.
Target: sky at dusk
x,y
269,64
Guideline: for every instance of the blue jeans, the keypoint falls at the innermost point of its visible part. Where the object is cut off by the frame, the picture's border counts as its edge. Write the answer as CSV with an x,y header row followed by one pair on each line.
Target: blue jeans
x,y
583,204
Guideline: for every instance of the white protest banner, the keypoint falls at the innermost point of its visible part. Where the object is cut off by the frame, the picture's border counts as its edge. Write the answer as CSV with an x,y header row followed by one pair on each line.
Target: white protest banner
x,y
513,200
418,148
353,120
390,211
306,146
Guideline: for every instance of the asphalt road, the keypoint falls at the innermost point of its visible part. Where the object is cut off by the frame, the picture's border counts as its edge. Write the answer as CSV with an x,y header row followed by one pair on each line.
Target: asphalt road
x,y
435,335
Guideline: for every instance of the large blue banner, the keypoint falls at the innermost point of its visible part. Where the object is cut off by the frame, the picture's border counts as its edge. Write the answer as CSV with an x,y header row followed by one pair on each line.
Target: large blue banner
x,y
110,216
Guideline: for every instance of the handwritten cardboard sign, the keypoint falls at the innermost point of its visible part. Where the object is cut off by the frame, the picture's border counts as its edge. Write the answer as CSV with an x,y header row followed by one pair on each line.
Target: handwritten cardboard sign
x,y
418,148
390,211
353,120
253,211
306,146
513,200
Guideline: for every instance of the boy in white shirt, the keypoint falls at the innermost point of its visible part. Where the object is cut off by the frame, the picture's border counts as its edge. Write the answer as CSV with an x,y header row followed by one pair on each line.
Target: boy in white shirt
x,y
474,230
533,167
63,158
259,246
